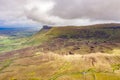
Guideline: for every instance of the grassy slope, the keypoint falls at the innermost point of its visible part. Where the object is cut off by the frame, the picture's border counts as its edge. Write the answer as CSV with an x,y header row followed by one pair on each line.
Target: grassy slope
x,y
32,64
50,66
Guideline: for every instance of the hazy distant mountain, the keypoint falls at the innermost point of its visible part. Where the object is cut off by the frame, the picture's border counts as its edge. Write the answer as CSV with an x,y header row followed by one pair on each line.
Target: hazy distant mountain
x,y
17,31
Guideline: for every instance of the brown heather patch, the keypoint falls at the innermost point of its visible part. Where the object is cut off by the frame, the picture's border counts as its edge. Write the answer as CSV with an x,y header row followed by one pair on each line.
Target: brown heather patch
x,y
51,66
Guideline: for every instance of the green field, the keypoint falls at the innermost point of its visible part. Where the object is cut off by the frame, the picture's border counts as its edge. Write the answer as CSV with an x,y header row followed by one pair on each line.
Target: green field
x,y
10,43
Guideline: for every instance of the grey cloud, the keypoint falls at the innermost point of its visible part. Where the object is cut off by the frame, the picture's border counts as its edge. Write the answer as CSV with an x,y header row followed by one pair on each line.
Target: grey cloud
x,y
34,15
60,12
11,8
12,12
77,11
90,9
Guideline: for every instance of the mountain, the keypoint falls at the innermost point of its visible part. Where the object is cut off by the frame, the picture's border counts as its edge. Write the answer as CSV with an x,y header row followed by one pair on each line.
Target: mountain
x,y
78,39
100,32
66,53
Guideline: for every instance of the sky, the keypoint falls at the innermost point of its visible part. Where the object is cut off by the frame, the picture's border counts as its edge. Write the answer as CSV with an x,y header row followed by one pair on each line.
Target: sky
x,y
58,12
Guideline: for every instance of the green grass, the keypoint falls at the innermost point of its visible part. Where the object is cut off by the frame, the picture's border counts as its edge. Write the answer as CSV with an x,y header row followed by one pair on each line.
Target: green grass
x,y
11,43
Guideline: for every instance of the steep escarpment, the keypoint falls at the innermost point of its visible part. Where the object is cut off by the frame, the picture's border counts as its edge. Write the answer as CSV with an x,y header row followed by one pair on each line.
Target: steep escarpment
x,y
79,39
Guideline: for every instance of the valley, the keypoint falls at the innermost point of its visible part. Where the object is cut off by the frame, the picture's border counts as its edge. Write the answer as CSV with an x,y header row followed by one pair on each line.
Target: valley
x,y
13,38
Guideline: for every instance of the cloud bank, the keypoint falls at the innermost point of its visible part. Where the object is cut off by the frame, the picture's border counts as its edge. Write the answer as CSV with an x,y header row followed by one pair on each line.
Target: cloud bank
x,y
60,12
